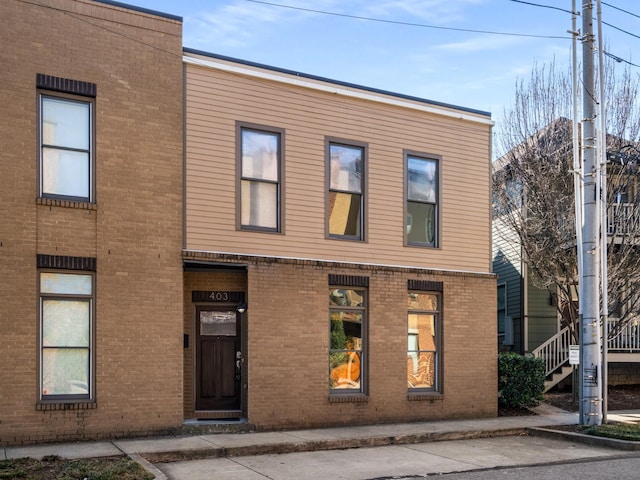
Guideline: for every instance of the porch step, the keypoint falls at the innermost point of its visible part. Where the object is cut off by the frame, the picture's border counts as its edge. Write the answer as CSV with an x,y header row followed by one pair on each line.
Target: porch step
x,y
205,427
557,377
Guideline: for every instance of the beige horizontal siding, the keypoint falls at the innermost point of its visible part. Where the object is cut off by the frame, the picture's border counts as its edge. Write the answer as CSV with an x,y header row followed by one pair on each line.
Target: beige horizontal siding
x,y
216,100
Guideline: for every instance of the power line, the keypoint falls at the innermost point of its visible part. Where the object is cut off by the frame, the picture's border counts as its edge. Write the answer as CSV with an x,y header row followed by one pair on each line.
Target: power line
x,y
622,10
620,29
410,24
543,6
619,60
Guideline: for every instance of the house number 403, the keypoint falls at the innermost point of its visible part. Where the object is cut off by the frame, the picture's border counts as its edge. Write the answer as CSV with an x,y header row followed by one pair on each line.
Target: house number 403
x,y
219,296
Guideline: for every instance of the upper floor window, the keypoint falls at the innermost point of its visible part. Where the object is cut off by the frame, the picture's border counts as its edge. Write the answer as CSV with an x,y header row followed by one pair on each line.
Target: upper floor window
x,y
422,201
260,178
346,164
66,148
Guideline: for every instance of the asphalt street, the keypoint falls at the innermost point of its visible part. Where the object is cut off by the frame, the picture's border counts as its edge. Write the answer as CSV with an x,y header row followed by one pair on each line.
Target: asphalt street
x,y
489,458
618,469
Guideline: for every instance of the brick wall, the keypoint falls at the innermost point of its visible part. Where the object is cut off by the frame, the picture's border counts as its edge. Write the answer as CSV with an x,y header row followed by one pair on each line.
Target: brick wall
x,y
288,344
133,230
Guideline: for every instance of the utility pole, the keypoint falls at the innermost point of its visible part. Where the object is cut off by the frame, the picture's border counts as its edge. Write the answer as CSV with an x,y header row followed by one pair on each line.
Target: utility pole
x,y
590,366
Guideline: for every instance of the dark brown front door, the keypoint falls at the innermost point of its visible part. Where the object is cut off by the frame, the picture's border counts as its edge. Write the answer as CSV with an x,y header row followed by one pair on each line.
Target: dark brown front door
x,y
218,358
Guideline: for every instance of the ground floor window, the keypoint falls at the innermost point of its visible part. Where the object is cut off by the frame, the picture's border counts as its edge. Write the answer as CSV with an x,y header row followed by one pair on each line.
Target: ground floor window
x,y
347,340
66,331
423,329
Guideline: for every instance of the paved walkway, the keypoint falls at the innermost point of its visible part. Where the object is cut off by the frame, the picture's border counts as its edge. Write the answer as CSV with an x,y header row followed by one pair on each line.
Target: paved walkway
x,y
224,445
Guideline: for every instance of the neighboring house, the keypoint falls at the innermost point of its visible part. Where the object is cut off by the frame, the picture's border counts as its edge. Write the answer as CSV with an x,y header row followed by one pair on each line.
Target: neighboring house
x,y
529,321
281,248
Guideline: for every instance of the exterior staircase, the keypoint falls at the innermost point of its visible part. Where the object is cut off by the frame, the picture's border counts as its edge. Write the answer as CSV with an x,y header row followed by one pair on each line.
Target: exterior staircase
x,y
555,354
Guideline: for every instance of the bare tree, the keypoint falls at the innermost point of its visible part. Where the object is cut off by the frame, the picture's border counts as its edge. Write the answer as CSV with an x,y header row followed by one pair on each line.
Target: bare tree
x,y
533,191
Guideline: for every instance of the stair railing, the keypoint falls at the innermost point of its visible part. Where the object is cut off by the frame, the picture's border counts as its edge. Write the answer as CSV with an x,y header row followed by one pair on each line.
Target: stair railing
x,y
555,351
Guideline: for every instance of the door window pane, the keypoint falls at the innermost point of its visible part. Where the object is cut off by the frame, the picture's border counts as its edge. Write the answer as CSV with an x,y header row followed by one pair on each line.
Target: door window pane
x,y
218,323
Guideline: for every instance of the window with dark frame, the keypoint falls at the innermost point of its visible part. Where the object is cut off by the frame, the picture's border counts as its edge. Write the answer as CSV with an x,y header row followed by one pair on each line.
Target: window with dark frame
x,y
66,138
260,178
502,307
347,344
346,185
422,201
423,329
66,335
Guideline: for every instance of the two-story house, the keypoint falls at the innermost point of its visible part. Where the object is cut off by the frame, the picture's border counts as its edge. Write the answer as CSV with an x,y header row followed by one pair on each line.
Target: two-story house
x,y
186,237
534,200
353,227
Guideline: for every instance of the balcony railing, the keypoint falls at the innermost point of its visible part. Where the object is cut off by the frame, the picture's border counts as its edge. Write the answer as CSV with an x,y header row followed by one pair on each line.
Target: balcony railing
x,y
623,219
627,340
555,351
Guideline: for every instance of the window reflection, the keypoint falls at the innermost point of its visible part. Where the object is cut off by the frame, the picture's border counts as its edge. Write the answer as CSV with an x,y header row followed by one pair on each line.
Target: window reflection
x,y
346,173
422,349
346,338
422,201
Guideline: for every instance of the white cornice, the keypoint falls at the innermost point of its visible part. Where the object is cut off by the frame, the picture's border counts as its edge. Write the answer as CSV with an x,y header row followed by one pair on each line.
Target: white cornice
x,y
318,85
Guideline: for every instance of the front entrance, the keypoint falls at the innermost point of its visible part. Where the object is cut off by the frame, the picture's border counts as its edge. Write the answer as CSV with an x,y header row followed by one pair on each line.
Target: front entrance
x,y
218,358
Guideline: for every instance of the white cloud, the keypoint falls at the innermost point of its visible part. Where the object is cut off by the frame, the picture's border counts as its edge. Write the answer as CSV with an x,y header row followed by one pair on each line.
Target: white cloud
x,y
242,23
440,12
482,43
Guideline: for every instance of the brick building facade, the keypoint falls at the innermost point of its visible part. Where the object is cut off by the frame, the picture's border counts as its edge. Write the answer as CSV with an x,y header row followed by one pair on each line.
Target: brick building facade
x,y
315,253
91,92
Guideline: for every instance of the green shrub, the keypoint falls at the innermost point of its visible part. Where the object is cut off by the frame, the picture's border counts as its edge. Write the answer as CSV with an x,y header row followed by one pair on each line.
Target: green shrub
x,y
520,380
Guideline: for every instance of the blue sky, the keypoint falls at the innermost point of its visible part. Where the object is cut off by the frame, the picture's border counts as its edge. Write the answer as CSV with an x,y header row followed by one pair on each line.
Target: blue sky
x,y
469,69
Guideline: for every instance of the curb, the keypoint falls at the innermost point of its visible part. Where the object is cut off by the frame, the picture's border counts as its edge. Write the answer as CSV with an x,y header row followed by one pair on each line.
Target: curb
x,y
319,445
158,475
593,440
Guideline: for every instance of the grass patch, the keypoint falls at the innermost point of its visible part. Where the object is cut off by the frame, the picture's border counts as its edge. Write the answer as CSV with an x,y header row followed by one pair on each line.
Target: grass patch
x,y
622,431
55,468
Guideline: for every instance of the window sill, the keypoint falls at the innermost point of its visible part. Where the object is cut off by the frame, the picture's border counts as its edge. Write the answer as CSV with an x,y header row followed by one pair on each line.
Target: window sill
x,y
353,398
426,396
55,202
62,405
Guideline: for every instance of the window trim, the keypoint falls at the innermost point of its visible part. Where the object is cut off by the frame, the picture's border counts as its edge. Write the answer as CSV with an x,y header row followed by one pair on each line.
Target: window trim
x,y
439,315
41,94
280,184
360,283
364,197
502,284
67,398
438,205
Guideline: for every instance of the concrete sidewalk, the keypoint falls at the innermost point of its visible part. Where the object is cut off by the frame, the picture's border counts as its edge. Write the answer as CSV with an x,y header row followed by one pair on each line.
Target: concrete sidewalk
x,y
217,445
182,447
